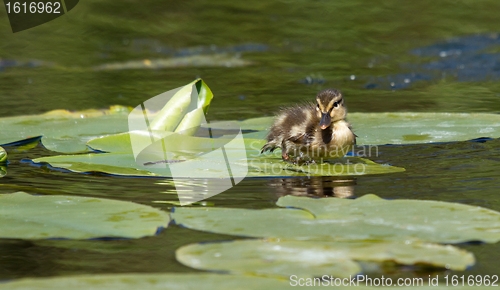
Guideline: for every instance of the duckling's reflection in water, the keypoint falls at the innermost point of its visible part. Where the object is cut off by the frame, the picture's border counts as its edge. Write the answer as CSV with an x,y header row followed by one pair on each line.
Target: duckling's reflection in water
x,y
316,186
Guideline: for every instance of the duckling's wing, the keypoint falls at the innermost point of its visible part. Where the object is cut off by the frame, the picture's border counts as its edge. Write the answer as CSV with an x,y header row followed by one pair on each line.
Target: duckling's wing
x,y
301,139
298,140
305,137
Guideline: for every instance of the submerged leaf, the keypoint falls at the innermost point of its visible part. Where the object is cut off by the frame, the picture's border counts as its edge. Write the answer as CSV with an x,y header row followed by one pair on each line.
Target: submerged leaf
x,y
133,281
24,216
365,218
315,258
213,60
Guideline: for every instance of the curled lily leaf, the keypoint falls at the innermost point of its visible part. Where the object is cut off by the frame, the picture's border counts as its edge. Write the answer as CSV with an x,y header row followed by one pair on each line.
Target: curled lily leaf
x,y
185,109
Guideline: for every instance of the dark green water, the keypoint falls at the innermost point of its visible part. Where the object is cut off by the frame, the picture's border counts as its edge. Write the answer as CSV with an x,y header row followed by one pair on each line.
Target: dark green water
x,y
432,56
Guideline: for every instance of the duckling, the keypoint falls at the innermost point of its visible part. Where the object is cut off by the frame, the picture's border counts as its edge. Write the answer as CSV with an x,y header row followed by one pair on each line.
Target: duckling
x,y
312,132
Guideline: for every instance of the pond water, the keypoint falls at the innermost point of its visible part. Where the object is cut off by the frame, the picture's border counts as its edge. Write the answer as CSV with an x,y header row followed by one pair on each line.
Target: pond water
x,y
425,56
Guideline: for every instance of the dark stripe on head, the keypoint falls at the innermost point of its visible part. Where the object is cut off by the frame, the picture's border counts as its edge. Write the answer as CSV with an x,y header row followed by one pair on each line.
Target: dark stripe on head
x,y
327,98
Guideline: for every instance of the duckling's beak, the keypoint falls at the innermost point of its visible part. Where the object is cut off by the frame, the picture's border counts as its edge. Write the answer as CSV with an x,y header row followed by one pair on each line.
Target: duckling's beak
x,y
326,120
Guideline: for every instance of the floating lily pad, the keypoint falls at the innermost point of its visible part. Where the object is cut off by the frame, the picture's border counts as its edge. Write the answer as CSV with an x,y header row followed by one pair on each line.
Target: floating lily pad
x,y
267,259
65,131
403,128
24,216
130,281
176,142
164,152
271,165
213,166
315,258
410,128
365,218
259,165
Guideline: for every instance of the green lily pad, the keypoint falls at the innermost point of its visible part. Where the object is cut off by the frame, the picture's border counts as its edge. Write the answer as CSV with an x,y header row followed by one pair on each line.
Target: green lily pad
x,y
403,128
365,218
267,259
65,131
410,128
213,166
315,258
168,147
259,165
24,216
131,281
271,165
175,142
3,156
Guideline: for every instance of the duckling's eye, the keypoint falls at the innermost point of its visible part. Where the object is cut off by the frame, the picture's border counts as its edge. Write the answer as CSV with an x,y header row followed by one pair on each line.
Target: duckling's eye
x,y
317,106
336,104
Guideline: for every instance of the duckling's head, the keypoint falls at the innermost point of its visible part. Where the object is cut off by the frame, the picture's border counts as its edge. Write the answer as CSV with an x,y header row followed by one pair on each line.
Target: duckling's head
x,y
330,107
